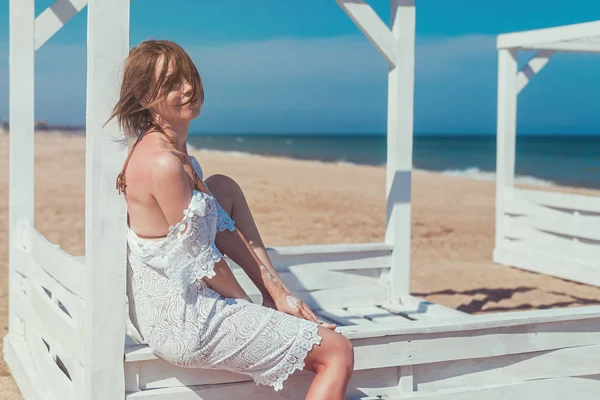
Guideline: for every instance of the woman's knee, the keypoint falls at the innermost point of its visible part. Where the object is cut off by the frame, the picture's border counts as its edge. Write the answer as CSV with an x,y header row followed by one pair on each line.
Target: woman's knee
x,y
337,352
224,188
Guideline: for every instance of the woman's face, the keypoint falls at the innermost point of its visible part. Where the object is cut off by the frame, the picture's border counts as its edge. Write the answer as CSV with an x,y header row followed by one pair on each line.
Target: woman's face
x,y
174,108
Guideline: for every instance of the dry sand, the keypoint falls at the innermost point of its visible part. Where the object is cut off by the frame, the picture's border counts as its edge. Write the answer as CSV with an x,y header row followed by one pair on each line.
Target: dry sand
x,y
302,202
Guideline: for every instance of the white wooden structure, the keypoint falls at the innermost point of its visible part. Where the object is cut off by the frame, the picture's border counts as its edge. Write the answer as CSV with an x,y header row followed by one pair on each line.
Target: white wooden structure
x,y
551,233
67,330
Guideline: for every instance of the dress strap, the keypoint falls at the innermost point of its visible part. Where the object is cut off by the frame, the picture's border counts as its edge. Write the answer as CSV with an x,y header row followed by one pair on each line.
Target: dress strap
x,y
121,183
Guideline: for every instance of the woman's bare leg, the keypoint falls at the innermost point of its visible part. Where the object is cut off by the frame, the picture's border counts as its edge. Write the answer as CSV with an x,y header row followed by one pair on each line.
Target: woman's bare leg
x,y
231,197
333,363
225,283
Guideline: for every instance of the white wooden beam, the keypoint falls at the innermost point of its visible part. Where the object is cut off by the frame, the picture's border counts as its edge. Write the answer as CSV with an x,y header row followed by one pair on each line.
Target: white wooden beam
x,y
506,136
533,67
53,18
537,37
400,146
105,212
367,20
21,144
573,46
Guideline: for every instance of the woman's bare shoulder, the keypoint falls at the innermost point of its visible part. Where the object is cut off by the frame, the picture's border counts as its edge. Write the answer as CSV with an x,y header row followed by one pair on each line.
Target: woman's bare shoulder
x,y
154,165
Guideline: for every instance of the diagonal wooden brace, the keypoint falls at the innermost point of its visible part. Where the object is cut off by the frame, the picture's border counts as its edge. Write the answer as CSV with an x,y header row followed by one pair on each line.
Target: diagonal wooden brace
x,y
53,18
533,67
367,20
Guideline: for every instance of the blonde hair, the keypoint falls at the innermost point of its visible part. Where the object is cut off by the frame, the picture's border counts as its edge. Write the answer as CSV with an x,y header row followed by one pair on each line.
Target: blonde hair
x,y
141,88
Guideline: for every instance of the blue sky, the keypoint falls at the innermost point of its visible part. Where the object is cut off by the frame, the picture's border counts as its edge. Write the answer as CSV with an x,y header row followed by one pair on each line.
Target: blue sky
x,y
280,66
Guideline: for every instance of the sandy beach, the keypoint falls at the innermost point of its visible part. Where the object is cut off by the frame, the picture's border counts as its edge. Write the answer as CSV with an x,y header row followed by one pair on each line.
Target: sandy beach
x,y
303,202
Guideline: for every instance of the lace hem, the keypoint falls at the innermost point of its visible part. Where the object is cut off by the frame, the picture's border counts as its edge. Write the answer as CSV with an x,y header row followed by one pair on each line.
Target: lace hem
x,y
294,360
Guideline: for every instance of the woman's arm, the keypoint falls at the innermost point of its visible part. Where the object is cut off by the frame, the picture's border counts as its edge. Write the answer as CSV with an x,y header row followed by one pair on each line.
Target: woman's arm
x,y
242,254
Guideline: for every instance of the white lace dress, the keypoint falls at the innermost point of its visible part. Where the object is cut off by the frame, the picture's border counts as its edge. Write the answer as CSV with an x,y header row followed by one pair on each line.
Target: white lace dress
x,y
188,324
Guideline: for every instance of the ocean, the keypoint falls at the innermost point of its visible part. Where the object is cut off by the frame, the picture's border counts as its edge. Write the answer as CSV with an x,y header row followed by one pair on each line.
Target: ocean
x,y
544,160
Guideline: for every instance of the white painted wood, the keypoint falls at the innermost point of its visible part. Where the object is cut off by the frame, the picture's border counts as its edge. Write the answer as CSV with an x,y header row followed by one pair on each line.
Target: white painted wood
x,y
343,317
376,31
573,46
406,382
363,383
53,18
375,253
577,361
308,279
548,389
538,37
547,264
21,143
567,201
379,315
400,146
533,67
410,349
418,309
576,226
48,256
344,297
475,322
506,134
47,318
105,215
34,274
564,250
18,358
57,384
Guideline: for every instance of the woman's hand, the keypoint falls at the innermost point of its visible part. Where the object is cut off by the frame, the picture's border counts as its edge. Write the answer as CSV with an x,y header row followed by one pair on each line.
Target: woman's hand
x,y
287,303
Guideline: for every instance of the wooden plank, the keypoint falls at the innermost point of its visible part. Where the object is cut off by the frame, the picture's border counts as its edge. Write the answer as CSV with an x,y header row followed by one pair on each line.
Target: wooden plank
x,y
547,389
343,317
379,314
21,144
48,332
505,136
535,37
513,368
49,319
476,322
53,18
565,201
34,274
18,358
411,349
285,257
369,23
415,308
363,383
401,84
105,210
533,67
573,46
576,226
48,256
546,264
568,247
57,384
344,297
308,279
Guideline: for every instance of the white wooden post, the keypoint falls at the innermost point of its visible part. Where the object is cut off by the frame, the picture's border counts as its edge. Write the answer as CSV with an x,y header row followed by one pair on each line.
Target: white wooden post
x,y
400,145
21,162
105,235
506,136
398,48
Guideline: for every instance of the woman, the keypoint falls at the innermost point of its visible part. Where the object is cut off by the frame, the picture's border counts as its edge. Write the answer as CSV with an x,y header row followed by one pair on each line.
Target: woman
x,y
184,299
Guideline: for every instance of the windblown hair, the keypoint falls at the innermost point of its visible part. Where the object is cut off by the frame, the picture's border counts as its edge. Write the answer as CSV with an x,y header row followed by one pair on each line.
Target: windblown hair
x,y
143,88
